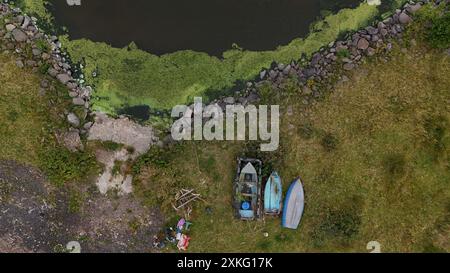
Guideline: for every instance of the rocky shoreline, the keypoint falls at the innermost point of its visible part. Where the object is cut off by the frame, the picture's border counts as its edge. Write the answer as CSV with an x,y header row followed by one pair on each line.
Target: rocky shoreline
x,y
314,77
38,51
326,67
341,55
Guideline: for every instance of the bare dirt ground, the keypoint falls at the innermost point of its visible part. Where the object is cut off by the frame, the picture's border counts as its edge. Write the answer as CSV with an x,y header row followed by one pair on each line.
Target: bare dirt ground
x,y
35,217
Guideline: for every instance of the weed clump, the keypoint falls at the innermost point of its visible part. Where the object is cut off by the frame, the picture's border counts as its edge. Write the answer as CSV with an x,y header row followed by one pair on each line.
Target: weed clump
x,y
339,224
329,142
394,165
436,129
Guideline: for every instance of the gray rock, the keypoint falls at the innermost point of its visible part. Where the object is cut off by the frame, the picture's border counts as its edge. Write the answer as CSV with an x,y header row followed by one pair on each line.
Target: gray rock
x,y
363,44
383,32
87,125
19,35
63,78
273,74
370,51
78,101
19,64
348,66
372,30
45,83
253,97
31,63
36,52
413,8
229,100
45,56
26,22
315,59
52,72
72,85
10,27
263,74
72,141
404,18
73,119
73,94
309,72
287,69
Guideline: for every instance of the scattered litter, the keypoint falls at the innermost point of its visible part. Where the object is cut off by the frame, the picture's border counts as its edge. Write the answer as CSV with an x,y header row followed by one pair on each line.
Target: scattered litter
x,y
183,243
175,236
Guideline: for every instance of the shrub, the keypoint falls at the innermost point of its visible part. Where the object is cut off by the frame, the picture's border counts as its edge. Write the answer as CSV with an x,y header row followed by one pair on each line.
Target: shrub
x,y
343,53
432,24
439,34
337,225
42,45
62,165
111,146
43,68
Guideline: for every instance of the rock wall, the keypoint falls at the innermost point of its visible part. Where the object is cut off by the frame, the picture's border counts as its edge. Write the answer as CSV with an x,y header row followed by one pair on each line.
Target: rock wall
x,y
21,34
330,61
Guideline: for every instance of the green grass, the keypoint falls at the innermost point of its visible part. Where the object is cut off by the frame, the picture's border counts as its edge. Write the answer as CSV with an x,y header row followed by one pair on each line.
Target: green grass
x,y
29,120
374,157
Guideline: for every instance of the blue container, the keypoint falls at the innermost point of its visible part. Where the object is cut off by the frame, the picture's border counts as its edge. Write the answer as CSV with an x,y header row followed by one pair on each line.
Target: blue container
x,y
245,205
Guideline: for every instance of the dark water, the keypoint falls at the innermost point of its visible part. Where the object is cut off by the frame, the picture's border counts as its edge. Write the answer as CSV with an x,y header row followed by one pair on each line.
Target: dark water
x,y
212,26
139,112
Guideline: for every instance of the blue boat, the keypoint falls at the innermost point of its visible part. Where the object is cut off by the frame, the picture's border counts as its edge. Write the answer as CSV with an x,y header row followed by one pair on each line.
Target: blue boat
x,y
293,205
273,195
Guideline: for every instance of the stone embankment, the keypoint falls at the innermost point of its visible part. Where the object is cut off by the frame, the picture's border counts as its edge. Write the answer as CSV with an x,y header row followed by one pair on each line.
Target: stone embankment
x,y
33,49
325,64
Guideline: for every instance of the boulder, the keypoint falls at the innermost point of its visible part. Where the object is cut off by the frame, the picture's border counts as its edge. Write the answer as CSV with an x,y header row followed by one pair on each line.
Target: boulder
x,y
63,78
229,100
404,18
73,119
71,140
19,35
348,66
413,8
262,75
371,51
52,72
363,44
78,101
20,64
371,30
10,27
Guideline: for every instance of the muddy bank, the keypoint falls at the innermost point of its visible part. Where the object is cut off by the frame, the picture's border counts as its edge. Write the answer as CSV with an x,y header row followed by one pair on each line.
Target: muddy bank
x,y
36,217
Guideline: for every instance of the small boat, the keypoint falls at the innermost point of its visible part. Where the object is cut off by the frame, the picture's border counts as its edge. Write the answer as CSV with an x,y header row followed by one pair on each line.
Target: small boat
x,y
293,205
273,195
247,188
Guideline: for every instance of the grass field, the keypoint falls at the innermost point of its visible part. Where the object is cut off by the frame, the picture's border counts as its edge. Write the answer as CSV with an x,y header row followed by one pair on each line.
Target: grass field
x,y
374,157
29,120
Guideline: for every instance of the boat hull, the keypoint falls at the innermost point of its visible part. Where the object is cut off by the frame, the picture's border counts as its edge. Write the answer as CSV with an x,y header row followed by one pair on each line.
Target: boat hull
x,y
293,205
273,195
